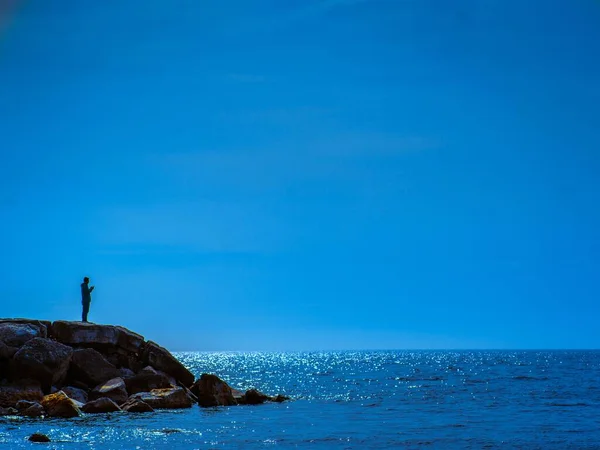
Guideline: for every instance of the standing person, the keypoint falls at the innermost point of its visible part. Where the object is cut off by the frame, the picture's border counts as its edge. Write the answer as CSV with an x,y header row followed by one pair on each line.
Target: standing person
x,y
86,298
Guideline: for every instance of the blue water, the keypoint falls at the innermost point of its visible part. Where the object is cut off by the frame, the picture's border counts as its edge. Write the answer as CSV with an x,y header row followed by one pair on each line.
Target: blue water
x,y
357,400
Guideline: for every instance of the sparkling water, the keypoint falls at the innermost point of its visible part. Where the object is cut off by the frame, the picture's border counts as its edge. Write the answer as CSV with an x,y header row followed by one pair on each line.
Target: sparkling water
x,y
357,400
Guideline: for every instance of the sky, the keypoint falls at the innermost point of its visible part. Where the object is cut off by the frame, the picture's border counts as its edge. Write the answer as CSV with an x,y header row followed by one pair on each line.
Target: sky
x,y
305,175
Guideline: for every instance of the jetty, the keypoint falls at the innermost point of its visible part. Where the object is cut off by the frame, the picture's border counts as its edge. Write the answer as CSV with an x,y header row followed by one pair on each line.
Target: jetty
x,y
66,369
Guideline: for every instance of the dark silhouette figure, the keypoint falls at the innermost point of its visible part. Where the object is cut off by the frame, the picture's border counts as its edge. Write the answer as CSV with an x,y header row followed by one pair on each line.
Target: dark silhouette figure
x,y
86,298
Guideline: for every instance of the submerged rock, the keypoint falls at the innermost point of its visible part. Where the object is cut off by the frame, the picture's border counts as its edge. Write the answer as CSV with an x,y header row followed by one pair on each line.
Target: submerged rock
x,y
113,389
39,437
59,405
101,405
44,360
172,398
212,391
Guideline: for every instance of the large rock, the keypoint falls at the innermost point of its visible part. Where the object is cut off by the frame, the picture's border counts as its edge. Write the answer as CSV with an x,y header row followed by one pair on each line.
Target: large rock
x,y
17,334
160,358
253,397
113,389
35,410
42,325
212,391
11,394
90,367
146,380
59,405
101,405
136,406
165,398
44,360
76,394
92,335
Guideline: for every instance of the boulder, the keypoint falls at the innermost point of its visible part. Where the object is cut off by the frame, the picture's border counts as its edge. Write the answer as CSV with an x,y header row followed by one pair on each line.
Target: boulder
x,y
42,325
11,394
137,406
39,437
113,389
8,411
44,360
35,410
90,367
125,373
101,405
212,391
7,351
172,398
254,397
280,398
17,334
76,394
22,405
160,358
93,335
59,405
146,380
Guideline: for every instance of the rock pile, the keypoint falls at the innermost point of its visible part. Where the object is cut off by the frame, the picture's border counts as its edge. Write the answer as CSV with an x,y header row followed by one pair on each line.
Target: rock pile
x,y
61,369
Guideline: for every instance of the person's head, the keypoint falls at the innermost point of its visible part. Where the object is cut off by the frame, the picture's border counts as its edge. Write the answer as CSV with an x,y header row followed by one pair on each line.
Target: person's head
x,y
86,280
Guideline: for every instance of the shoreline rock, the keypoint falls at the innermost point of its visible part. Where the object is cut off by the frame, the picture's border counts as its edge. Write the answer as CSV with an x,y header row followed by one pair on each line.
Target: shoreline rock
x,y
92,368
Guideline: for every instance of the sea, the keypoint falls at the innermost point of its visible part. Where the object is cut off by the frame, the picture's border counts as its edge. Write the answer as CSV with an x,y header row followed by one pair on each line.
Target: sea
x,y
362,400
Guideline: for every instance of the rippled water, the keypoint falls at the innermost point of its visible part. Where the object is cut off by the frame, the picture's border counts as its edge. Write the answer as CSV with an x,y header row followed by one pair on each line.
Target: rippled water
x,y
386,399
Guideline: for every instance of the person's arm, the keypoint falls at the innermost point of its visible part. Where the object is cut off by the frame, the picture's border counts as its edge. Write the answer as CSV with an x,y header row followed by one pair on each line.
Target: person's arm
x,y
92,288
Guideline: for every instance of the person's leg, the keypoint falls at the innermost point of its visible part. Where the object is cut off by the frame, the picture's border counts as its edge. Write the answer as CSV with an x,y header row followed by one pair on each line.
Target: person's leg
x,y
86,310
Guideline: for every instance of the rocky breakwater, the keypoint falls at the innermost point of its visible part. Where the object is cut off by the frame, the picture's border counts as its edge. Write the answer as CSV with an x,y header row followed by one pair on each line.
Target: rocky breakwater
x,y
64,369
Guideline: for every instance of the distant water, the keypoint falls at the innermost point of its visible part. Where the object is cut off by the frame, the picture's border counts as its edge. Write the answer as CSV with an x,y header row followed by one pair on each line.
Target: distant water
x,y
358,400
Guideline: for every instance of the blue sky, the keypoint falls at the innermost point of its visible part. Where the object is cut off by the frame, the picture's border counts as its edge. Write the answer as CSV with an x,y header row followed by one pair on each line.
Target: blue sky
x,y
316,174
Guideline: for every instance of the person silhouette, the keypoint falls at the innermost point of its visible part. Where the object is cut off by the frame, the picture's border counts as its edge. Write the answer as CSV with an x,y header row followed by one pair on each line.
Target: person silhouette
x,y
86,298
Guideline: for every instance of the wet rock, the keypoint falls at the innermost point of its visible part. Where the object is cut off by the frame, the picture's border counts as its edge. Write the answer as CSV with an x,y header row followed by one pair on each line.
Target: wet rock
x,y
60,405
136,405
146,380
22,405
113,389
8,411
93,335
254,397
12,393
44,360
280,398
158,357
89,366
17,334
39,437
35,410
212,391
76,394
165,398
101,405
